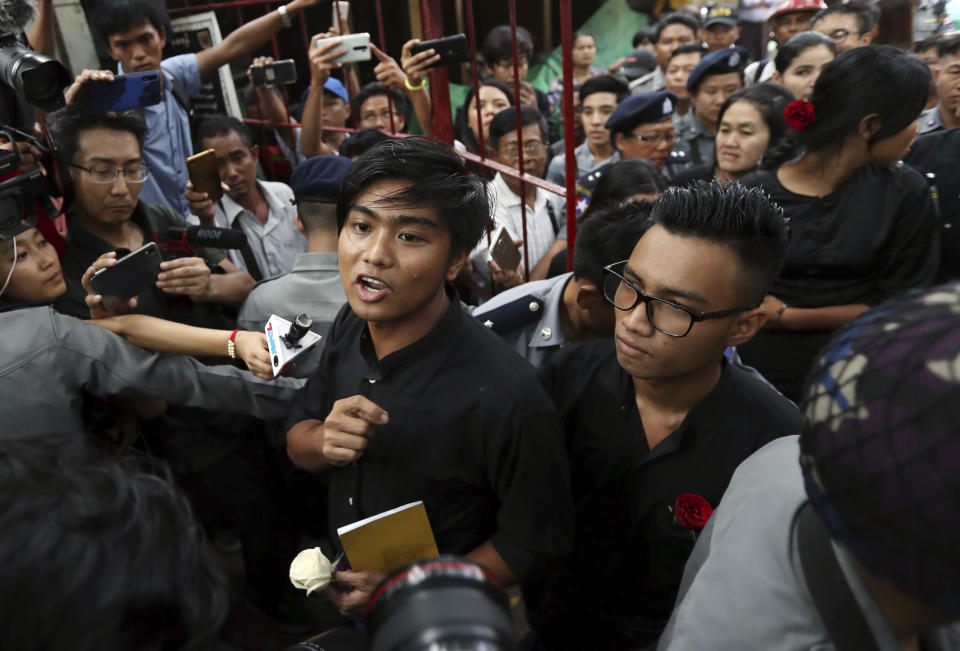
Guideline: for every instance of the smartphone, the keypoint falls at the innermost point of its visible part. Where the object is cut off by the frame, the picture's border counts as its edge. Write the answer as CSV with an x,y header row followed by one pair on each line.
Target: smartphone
x,y
204,174
278,72
503,251
452,49
125,92
356,45
132,274
339,14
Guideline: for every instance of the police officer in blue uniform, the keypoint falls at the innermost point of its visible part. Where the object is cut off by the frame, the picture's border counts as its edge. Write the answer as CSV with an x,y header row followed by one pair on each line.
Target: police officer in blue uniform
x,y
641,127
716,78
539,318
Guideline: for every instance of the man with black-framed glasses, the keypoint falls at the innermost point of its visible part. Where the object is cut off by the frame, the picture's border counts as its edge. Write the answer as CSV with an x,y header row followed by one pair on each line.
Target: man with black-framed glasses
x,y
102,157
849,25
656,420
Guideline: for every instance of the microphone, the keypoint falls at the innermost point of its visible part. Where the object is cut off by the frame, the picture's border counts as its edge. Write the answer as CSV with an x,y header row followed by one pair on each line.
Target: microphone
x,y
15,14
218,238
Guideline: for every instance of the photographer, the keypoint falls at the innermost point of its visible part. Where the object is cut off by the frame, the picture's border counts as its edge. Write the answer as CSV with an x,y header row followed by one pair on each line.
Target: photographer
x,y
223,463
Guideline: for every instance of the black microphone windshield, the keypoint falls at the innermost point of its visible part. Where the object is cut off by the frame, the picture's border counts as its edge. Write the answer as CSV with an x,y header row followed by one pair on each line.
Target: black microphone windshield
x,y
219,238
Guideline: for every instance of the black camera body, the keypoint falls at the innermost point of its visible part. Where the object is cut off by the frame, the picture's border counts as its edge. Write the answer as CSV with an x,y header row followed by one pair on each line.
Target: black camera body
x,y
38,79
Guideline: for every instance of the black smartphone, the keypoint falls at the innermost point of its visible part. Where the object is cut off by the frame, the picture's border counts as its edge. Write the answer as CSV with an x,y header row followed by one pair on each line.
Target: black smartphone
x,y
452,49
132,274
278,72
125,92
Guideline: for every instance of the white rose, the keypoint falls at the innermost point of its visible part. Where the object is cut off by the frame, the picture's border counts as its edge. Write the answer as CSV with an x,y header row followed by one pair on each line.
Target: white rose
x,y
311,570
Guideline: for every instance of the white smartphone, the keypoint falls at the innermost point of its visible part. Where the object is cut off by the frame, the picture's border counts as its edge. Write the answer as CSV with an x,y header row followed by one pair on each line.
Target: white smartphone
x,y
356,45
339,14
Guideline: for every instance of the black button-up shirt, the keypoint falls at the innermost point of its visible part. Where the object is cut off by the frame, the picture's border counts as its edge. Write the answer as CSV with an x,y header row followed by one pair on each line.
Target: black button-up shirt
x,y
471,433
629,550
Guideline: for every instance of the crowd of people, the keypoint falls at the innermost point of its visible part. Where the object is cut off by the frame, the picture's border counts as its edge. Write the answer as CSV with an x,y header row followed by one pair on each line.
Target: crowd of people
x,y
722,418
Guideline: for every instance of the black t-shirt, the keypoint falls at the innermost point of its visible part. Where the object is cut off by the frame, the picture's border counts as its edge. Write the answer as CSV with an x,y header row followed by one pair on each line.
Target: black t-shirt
x,y
874,236
629,552
471,433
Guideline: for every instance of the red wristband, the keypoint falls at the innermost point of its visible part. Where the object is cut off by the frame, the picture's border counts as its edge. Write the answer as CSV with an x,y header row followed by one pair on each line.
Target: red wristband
x,y
232,346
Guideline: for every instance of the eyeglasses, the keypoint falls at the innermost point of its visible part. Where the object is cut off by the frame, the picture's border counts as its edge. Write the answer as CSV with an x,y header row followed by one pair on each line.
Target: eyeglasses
x,y
654,139
137,174
840,34
672,319
529,149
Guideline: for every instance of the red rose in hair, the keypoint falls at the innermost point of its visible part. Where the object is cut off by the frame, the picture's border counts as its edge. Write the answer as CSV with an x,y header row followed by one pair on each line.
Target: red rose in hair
x,y
692,511
799,114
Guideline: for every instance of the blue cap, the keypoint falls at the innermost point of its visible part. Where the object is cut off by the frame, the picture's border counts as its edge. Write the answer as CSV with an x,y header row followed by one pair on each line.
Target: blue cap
x,y
642,109
332,84
319,178
721,62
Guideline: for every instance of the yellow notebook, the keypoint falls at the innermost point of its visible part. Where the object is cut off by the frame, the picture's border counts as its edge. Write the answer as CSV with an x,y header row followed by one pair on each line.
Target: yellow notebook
x,y
389,540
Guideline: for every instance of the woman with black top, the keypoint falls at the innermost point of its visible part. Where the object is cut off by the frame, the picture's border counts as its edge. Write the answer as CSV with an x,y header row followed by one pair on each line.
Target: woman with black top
x,y
750,124
864,227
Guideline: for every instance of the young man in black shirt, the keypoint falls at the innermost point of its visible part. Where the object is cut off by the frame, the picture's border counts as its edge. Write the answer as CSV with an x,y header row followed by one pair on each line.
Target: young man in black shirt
x,y
658,413
415,400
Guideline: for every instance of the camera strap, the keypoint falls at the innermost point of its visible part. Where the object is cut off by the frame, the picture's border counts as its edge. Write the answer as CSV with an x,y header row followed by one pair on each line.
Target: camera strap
x,y
246,252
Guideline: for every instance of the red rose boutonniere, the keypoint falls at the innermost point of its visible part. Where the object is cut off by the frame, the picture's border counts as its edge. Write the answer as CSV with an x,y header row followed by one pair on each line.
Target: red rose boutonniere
x,y
799,114
692,512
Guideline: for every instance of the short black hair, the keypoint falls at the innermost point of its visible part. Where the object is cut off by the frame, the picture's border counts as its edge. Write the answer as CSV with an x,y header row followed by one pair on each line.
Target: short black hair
x,y
745,219
118,16
317,216
604,84
645,35
497,46
360,141
867,17
506,121
376,88
948,46
437,177
799,43
624,179
212,126
103,552
928,43
608,236
677,19
69,122
690,48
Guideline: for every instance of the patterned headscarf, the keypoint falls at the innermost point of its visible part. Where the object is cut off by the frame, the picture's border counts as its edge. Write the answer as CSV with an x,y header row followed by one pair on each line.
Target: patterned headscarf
x,y
880,451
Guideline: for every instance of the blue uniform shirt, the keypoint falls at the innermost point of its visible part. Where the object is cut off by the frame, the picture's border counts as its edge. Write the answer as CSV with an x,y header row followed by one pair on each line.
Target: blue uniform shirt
x,y
169,143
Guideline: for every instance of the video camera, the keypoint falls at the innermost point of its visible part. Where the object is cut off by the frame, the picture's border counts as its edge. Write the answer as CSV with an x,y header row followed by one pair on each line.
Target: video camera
x,y
20,195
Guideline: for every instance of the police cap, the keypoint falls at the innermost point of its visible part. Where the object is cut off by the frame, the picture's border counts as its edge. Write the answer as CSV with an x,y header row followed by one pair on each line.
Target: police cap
x,y
721,62
642,109
319,178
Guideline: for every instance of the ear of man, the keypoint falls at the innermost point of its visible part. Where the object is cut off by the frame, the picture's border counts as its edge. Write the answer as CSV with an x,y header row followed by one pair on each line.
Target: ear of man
x,y
745,326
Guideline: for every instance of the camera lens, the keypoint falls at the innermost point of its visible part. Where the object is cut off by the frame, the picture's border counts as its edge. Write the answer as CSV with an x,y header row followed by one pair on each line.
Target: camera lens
x,y
37,78
446,604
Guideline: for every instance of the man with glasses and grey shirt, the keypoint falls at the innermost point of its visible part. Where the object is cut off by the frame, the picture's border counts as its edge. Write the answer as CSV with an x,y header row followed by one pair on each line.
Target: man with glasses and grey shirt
x,y
656,420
